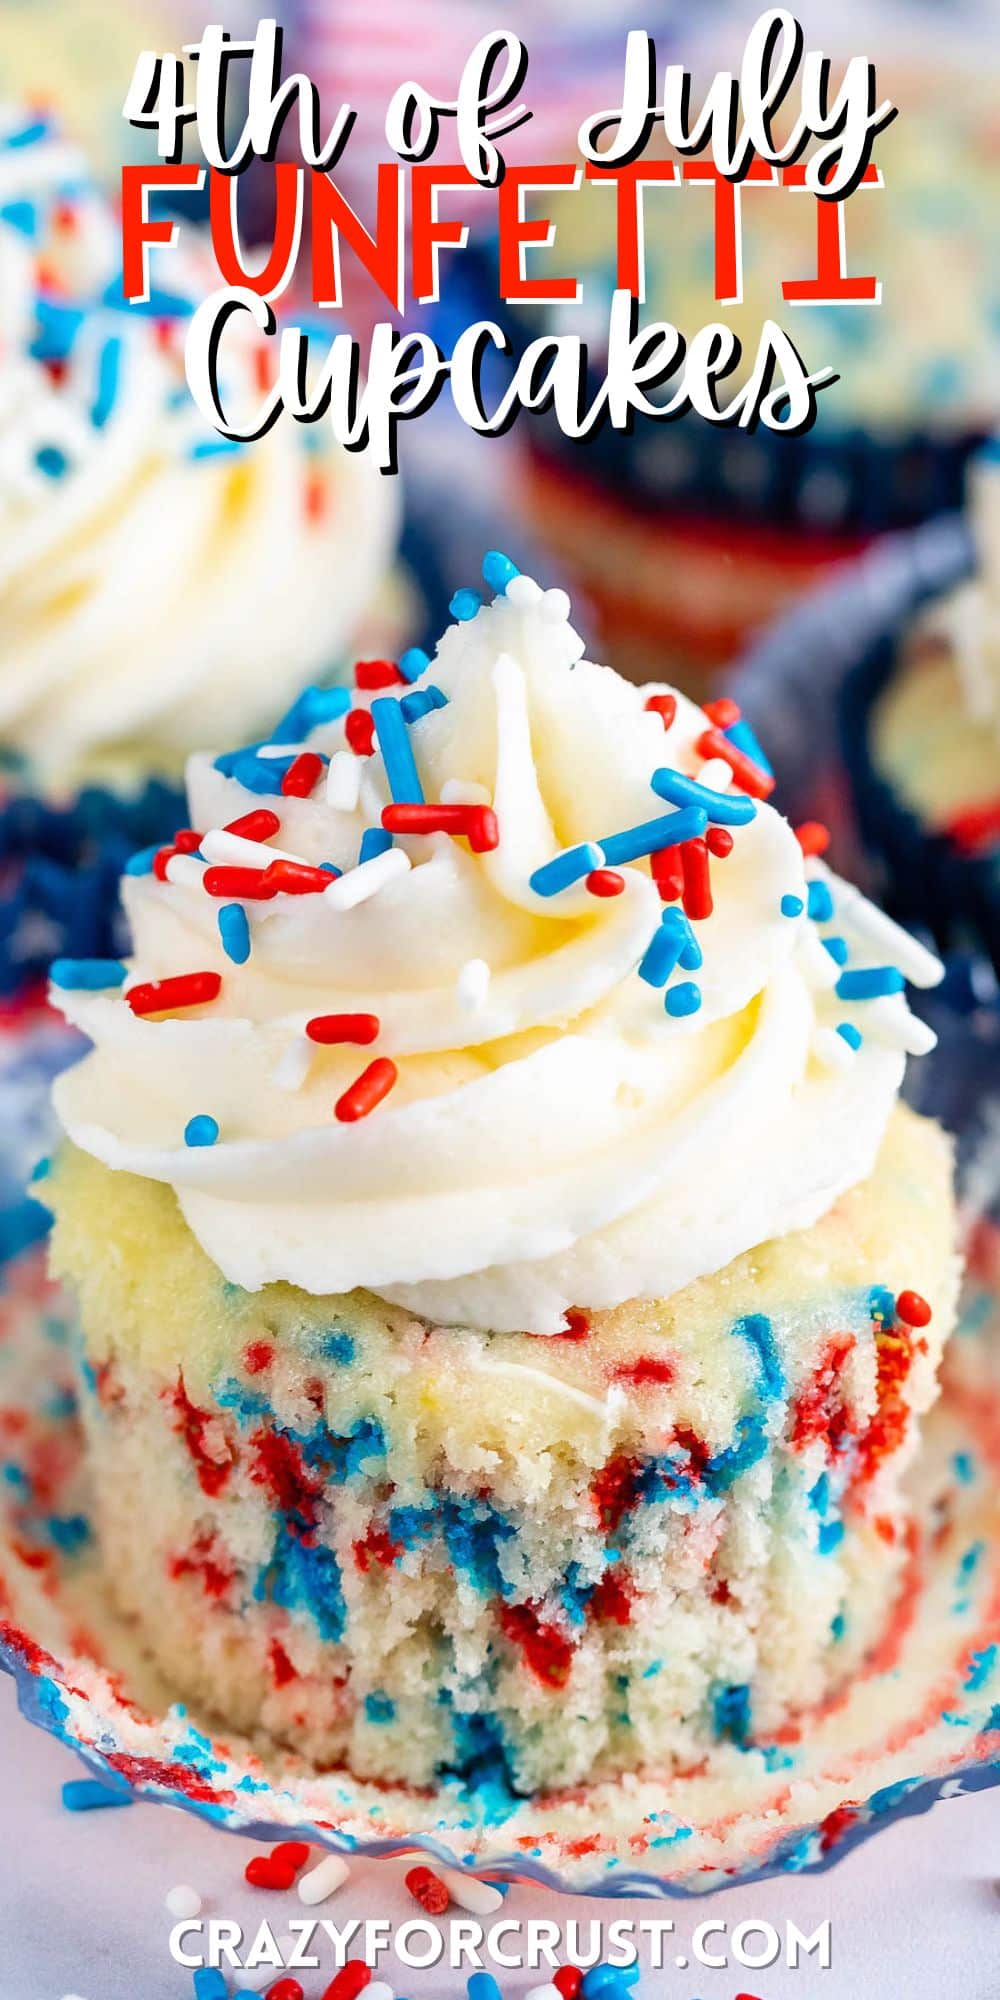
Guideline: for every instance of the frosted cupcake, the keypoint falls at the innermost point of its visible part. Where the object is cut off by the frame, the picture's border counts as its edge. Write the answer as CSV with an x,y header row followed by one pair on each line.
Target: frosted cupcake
x,y
510,1286
922,722
159,589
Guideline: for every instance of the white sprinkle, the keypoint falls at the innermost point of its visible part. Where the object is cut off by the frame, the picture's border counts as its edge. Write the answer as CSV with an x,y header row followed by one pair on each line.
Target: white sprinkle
x,y
480,1898
343,781
915,962
889,1021
255,1977
820,969
232,850
291,1070
831,1050
473,985
544,1993
279,750
367,879
329,1874
716,774
464,792
522,591
185,870
555,606
378,1990
183,1901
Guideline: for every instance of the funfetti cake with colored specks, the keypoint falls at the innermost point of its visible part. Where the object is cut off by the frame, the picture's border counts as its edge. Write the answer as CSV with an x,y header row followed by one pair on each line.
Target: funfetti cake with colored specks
x,y
510,1284
161,588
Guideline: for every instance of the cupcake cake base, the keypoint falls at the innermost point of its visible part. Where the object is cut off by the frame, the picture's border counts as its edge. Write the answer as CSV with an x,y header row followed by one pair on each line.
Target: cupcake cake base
x,y
427,1553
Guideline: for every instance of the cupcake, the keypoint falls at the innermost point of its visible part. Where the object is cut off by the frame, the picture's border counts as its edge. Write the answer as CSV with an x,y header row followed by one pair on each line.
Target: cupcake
x,y
921,721
686,537
510,1286
159,587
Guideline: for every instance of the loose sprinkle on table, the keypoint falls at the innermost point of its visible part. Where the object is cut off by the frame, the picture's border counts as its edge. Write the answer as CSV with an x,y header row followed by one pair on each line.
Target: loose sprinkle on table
x,y
324,1880
428,1890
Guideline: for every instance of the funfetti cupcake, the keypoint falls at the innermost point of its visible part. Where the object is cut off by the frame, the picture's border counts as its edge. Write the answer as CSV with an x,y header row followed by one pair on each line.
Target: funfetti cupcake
x,y
921,726
159,588
510,1284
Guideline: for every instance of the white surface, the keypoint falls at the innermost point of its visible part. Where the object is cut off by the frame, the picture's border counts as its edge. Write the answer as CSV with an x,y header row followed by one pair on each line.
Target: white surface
x,y
915,1913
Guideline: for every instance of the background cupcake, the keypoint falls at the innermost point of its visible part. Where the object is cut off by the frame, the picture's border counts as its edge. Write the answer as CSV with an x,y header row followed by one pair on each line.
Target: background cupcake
x,y
159,587
685,537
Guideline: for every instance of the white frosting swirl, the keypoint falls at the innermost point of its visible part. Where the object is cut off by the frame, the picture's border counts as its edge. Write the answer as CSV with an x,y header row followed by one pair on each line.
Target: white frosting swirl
x,y
555,1137
157,590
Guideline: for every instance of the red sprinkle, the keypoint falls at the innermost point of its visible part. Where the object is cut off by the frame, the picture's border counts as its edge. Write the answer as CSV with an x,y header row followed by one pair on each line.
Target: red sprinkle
x,y
478,824
429,1890
667,871
370,674
605,882
719,841
813,837
366,1091
611,1602
259,825
547,1651
976,827
282,1670
722,712
296,878
913,1310
697,880
302,775
160,860
329,1028
265,1871
248,885
285,1989
349,1981
644,1370
186,840
577,1324
359,730
161,996
663,705
569,1980
291,1853
258,1356
759,784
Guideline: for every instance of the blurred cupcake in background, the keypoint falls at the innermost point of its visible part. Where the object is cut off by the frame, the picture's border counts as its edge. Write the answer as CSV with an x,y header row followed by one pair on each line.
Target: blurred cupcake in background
x,y
921,726
687,537
159,587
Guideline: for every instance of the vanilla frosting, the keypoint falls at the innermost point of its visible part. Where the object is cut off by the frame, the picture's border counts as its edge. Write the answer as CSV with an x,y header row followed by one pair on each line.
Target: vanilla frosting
x,y
556,1137
159,588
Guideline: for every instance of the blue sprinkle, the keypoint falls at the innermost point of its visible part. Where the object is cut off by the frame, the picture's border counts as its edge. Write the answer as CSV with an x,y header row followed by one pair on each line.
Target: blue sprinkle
x,y
838,1626
483,1986
413,663
314,706
338,1348
820,902
108,372
682,999
870,982
379,1707
653,835
882,1304
672,944
465,604
604,1982
963,1463
831,1535
27,135
980,1669
849,1034
50,460
498,571
397,755
721,808
262,775
731,1713
209,1983
142,862
741,736
566,868
374,840
214,447
90,1795
201,1130
792,906
87,975
234,931
837,948
21,215
756,1329
421,702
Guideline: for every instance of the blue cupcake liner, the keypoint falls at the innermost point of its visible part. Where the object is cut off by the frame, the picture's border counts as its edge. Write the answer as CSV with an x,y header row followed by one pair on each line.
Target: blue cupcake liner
x,y
838,479
59,870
